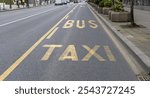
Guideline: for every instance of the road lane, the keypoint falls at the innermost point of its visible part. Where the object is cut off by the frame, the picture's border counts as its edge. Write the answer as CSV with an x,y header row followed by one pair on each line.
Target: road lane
x,y
19,15
79,49
16,38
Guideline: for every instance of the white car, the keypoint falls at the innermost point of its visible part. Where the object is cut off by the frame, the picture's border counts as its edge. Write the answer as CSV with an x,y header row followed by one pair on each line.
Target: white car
x,y
58,2
64,1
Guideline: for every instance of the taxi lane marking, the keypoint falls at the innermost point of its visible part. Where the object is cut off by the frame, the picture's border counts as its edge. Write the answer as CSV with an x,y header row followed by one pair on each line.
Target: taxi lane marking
x,y
69,53
49,51
92,52
109,54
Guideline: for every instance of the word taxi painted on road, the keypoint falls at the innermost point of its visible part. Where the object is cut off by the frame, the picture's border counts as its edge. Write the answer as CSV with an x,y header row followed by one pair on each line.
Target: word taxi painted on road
x,y
70,53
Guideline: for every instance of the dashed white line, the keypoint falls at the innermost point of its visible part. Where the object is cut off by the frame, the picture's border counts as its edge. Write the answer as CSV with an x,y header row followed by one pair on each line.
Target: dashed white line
x,y
5,24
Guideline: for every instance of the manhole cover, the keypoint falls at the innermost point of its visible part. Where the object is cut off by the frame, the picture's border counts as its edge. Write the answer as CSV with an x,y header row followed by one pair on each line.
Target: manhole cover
x,y
143,77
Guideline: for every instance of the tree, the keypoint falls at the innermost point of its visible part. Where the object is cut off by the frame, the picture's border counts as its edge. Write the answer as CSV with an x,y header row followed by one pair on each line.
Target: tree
x,y
40,2
27,2
113,2
10,6
17,2
132,13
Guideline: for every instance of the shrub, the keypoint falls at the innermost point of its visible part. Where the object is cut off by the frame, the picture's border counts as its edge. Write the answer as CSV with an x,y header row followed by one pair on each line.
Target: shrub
x,y
118,6
97,2
107,3
101,3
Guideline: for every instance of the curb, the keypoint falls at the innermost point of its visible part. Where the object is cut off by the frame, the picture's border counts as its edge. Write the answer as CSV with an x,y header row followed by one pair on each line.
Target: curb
x,y
22,8
144,59
12,9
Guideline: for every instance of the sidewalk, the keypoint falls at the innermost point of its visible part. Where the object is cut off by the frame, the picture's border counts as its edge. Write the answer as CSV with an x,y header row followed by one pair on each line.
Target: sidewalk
x,y
136,39
138,36
14,7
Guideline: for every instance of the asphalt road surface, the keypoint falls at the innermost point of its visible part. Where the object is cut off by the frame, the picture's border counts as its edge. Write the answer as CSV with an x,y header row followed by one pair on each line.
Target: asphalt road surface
x,y
57,43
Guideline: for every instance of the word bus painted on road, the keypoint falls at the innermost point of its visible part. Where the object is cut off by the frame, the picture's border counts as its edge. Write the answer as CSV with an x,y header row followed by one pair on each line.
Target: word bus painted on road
x,y
71,54
80,24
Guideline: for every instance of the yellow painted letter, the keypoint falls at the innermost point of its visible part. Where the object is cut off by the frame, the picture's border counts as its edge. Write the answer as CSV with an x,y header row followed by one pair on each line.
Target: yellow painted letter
x,y
49,51
92,52
82,24
109,54
92,24
69,53
69,24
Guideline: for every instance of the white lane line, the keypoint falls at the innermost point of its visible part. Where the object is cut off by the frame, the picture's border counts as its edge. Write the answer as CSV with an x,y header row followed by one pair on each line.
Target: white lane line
x,y
1,25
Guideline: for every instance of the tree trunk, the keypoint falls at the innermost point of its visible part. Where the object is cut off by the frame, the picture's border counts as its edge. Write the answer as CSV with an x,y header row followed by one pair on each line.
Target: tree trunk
x,y
10,6
34,4
113,2
132,13
40,2
27,3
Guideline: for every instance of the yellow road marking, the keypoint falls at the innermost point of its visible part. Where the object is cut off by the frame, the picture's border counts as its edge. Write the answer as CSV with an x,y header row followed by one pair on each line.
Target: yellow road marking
x,y
67,17
69,53
92,52
52,32
92,24
109,54
68,24
49,51
82,24
22,57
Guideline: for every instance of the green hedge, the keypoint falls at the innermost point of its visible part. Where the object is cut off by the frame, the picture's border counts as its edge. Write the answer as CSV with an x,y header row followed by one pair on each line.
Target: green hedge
x,y
118,6
6,1
105,3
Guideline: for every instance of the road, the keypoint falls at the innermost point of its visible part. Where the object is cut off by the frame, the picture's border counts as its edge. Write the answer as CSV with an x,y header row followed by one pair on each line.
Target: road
x,y
59,43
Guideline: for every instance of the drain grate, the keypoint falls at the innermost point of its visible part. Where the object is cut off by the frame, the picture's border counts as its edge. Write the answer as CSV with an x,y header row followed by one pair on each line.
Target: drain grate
x,y
144,77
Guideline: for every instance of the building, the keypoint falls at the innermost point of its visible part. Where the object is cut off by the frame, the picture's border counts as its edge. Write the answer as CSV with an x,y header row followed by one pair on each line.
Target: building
x,y
139,4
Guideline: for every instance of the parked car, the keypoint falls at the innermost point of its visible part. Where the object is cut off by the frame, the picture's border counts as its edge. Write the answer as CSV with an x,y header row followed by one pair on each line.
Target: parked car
x,y
75,1
60,2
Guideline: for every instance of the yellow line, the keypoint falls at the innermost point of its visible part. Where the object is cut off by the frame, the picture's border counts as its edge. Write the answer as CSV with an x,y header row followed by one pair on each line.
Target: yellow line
x,y
109,54
66,17
51,34
22,57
